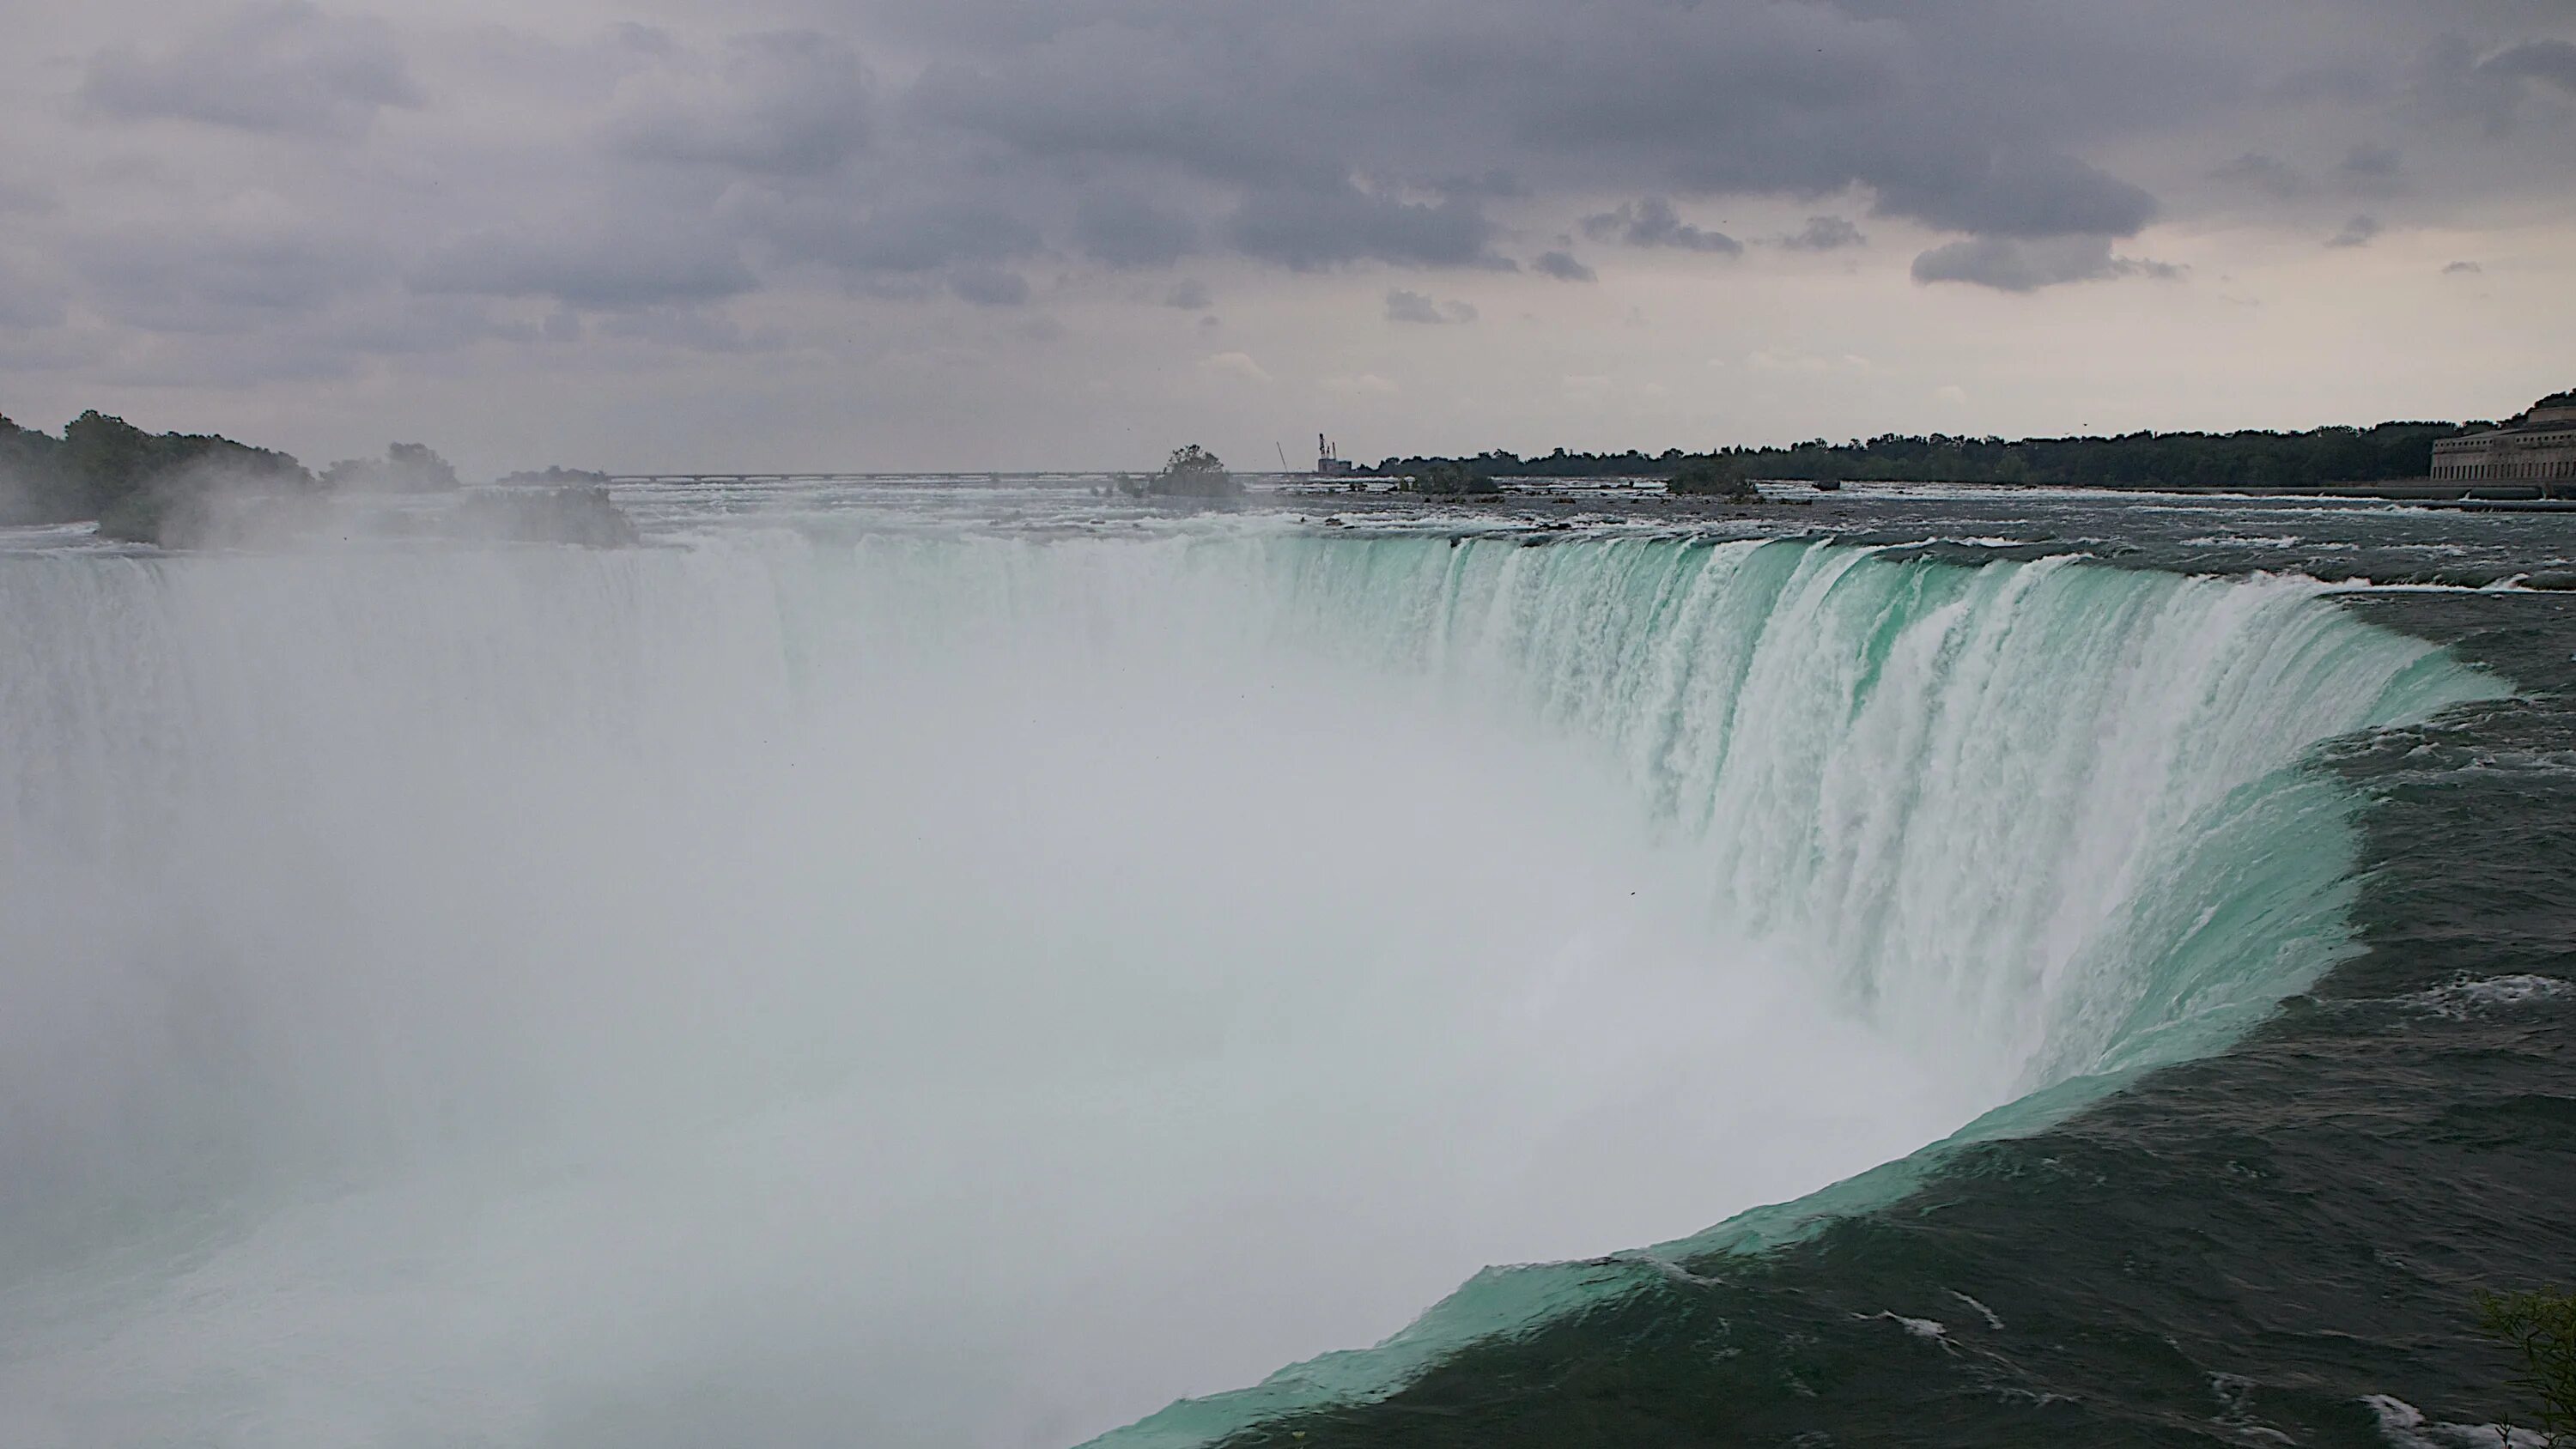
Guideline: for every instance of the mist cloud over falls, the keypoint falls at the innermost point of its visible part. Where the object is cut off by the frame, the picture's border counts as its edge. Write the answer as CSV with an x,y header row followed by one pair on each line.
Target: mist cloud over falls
x,y
972,996
975,991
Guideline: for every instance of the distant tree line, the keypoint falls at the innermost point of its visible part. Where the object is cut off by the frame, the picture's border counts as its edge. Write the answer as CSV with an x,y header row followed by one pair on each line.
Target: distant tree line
x,y
1559,464
174,488
2131,460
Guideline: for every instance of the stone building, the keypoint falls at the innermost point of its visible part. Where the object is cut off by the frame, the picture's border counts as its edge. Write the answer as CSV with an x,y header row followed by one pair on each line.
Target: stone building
x,y
2537,449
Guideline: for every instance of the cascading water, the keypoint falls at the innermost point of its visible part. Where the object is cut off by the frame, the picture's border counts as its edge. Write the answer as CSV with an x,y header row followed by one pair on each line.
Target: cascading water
x,y
972,990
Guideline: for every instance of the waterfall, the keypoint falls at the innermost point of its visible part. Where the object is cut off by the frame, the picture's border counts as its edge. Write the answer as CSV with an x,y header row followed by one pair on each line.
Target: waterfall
x,y
951,989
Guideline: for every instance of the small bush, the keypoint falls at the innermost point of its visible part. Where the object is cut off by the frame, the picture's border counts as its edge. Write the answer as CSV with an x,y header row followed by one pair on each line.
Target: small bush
x,y
2540,1328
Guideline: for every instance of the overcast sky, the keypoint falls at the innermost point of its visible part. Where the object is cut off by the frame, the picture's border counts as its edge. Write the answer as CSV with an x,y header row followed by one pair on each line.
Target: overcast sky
x,y
1068,233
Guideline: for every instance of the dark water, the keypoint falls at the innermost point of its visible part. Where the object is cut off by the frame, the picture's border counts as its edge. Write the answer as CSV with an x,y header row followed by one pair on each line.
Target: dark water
x,y
2280,1245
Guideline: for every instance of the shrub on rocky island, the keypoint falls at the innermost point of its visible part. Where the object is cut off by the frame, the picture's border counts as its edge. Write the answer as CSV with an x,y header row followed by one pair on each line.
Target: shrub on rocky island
x,y
554,477
585,516
1450,480
1193,472
405,468
1719,477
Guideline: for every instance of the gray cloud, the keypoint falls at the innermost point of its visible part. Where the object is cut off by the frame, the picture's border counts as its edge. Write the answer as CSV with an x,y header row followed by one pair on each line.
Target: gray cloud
x,y
25,302
385,324
223,278
2450,85
892,236
1125,230
594,267
2020,194
1404,306
1563,267
1131,86
2013,264
989,286
1497,183
1962,118
1652,222
331,335
182,360
1806,100
1136,133
691,329
1189,297
1824,234
943,151
2553,61
2357,232
24,198
2462,269
790,103
284,68
1309,230
2270,175
2371,162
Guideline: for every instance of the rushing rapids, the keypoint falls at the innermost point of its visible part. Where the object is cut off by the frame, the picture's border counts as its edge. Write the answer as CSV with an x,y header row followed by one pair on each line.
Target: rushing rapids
x,y
970,989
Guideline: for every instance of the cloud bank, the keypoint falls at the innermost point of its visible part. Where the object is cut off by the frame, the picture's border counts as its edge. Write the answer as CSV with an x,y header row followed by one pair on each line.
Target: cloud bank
x,y
215,194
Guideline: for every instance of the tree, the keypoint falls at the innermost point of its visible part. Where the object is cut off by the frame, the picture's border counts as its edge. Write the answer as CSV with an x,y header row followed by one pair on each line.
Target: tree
x,y
159,487
34,487
1193,472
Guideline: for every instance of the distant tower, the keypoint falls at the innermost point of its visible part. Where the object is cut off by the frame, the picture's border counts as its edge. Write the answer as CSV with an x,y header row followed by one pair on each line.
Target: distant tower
x,y
1329,462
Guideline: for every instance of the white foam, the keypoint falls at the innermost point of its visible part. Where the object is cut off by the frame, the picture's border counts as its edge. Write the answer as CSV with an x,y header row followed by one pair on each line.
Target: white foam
x,y
1993,1321
2466,996
1928,1329
2407,1427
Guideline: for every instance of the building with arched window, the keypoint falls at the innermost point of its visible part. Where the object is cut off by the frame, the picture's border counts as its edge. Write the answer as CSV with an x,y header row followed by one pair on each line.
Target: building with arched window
x,y
2537,449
